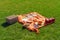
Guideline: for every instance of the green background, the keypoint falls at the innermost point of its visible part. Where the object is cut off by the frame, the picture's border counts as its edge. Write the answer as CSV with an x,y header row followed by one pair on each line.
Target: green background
x,y
48,8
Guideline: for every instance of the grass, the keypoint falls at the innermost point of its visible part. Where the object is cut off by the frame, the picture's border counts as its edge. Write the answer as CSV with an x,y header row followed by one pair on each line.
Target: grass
x,y
48,8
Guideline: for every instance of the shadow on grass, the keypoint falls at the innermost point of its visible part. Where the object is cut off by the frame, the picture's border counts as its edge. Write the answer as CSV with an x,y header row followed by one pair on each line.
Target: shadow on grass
x,y
23,27
5,24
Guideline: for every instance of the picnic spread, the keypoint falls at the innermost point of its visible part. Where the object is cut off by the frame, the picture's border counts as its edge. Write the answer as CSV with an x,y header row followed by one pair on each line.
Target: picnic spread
x,y
31,21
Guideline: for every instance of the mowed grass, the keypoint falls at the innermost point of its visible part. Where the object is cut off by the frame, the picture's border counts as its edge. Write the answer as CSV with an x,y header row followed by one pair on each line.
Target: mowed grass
x,y
48,8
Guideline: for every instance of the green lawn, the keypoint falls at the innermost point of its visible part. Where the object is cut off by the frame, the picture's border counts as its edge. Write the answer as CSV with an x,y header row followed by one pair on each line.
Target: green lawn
x,y
48,8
